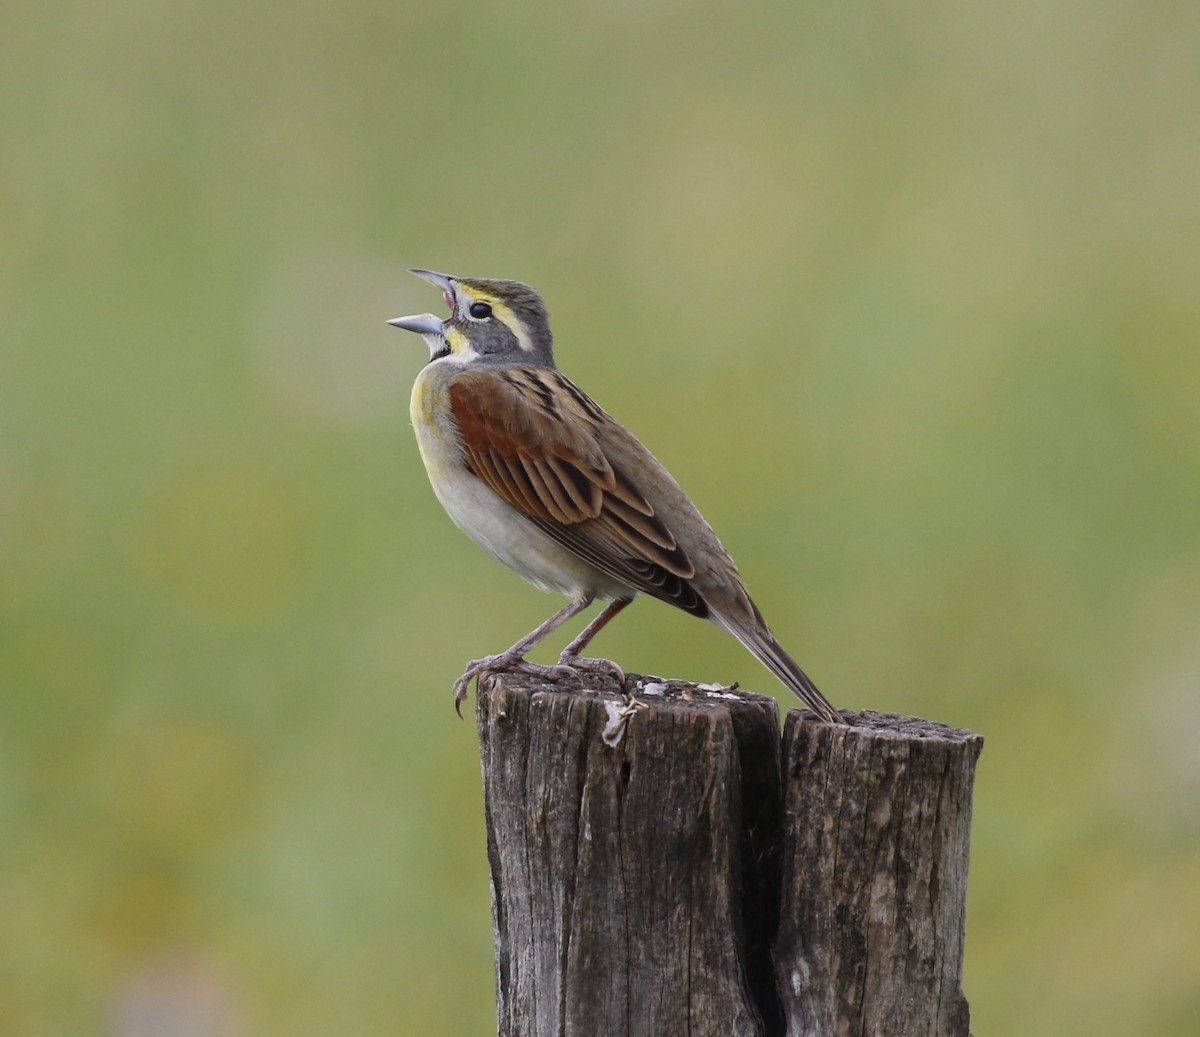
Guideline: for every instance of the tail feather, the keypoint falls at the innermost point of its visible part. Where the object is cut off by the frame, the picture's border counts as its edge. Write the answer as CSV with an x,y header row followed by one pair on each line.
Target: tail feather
x,y
773,656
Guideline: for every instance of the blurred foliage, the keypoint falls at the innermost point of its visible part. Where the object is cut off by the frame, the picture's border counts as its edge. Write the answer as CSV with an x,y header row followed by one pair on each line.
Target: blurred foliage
x,y
906,296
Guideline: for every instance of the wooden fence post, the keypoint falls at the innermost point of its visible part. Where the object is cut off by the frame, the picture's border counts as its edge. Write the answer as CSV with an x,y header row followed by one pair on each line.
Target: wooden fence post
x,y
652,876
877,823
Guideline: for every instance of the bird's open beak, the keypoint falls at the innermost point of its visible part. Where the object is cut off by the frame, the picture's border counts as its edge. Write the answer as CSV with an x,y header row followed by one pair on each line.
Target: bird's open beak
x,y
421,323
426,324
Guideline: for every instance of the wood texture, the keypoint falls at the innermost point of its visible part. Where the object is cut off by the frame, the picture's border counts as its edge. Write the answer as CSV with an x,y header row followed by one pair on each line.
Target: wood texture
x,y
638,881
877,822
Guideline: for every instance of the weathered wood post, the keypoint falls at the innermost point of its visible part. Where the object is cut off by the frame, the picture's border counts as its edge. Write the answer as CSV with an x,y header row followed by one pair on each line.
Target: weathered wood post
x,y
660,872
877,824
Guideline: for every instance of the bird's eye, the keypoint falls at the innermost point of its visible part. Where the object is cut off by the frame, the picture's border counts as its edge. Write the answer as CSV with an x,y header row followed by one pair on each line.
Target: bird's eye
x,y
480,310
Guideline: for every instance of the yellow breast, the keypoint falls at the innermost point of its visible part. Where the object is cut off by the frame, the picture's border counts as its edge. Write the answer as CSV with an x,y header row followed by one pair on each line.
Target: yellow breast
x,y
429,409
425,393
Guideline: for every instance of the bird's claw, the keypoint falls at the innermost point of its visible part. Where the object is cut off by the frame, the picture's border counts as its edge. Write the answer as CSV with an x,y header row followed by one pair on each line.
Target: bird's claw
x,y
576,663
476,668
461,688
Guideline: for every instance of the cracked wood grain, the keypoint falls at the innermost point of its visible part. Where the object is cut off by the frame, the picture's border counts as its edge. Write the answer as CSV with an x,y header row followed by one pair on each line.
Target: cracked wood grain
x,y
877,822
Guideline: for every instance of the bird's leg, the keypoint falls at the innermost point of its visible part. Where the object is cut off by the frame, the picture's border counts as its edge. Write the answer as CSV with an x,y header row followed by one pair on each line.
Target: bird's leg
x,y
514,658
571,657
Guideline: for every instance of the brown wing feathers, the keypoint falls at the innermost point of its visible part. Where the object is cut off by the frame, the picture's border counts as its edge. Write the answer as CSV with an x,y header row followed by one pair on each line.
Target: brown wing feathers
x,y
549,465
532,460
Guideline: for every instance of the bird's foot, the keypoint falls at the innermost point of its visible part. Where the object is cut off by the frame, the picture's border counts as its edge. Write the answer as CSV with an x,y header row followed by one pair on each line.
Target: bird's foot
x,y
577,662
476,668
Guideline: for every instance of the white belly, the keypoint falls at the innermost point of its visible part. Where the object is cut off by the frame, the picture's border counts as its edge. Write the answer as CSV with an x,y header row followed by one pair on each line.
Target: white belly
x,y
497,527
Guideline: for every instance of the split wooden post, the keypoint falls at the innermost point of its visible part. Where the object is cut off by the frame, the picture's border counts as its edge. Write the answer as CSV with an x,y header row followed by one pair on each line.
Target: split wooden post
x,y
877,824
653,876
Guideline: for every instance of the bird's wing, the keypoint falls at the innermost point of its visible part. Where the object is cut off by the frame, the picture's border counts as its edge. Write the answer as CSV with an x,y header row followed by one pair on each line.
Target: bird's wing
x,y
532,436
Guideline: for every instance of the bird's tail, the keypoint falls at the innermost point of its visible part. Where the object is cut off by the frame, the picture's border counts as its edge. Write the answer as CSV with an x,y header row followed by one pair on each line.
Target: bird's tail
x,y
772,655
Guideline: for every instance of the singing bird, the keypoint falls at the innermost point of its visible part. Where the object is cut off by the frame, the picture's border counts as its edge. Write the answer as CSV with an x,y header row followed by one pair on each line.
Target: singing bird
x,y
537,474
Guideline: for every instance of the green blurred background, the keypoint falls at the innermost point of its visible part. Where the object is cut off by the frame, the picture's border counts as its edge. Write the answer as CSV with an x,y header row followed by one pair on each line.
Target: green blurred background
x,y
908,298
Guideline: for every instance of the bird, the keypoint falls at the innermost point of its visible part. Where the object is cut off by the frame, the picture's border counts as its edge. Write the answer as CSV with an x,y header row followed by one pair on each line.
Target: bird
x,y
541,477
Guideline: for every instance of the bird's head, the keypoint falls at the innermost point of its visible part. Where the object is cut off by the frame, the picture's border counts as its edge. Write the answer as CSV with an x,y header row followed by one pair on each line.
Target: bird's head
x,y
490,321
